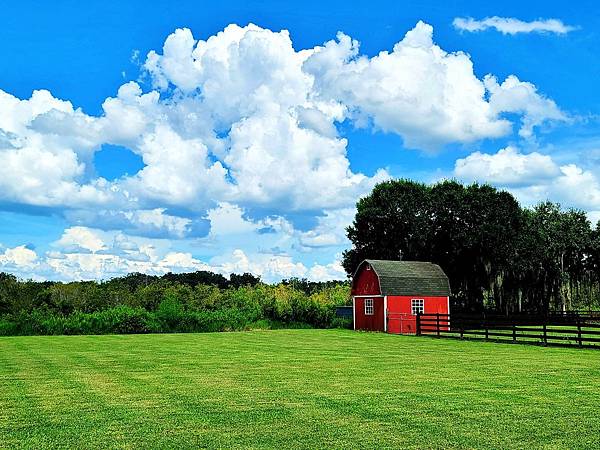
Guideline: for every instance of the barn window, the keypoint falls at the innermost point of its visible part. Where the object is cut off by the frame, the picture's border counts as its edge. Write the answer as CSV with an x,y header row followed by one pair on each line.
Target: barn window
x,y
417,306
368,306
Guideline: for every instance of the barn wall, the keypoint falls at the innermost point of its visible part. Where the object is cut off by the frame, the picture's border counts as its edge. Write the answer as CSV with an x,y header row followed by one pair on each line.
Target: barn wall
x,y
400,319
366,282
376,322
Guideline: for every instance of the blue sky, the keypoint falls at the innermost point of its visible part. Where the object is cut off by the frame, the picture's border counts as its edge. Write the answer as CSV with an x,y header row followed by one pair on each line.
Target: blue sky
x,y
249,152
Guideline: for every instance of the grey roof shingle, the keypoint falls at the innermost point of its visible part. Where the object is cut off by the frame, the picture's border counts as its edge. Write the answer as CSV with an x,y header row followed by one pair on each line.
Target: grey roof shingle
x,y
410,278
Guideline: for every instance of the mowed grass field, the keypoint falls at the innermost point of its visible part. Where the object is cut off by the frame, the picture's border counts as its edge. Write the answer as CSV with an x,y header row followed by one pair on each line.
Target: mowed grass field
x,y
294,389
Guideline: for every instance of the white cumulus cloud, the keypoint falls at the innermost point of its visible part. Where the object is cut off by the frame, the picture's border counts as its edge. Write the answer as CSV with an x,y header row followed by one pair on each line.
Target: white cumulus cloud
x,y
514,95
506,167
534,177
426,95
20,257
76,239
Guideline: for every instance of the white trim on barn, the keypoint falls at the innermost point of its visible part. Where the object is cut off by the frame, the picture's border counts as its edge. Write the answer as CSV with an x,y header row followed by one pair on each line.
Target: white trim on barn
x,y
385,313
354,313
448,312
368,296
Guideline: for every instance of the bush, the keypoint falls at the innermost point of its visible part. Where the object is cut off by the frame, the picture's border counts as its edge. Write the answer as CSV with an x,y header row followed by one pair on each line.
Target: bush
x,y
7,327
121,320
170,312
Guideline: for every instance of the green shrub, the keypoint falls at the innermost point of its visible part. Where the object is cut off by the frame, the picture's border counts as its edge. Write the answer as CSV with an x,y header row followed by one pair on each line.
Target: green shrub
x,y
125,320
149,296
170,312
7,327
206,298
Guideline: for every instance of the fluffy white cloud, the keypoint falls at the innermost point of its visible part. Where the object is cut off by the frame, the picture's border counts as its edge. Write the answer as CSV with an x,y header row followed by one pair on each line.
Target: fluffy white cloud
x,y
514,95
41,163
17,115
252,83
272,267
228,219
577,187
181,262
130,115
277,163
76,239
177,172
231,226
267,266
269,247
534,177
87,253
18,257
419,91
240,71
509,25
506,167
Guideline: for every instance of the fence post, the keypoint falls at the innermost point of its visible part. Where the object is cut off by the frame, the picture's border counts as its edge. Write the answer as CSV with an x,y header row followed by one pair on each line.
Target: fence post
x,y
418,324
579,332
545,333
485,325
514,327
438,324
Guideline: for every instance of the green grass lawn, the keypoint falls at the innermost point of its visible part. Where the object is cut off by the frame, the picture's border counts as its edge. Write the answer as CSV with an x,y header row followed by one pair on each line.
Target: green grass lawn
x,y
295,388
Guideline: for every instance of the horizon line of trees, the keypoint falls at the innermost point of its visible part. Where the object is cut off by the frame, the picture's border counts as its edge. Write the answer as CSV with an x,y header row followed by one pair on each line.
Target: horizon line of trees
x,y
185,302
498,255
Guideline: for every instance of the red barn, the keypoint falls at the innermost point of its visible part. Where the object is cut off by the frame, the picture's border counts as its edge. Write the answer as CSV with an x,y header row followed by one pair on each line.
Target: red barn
x,y
387,295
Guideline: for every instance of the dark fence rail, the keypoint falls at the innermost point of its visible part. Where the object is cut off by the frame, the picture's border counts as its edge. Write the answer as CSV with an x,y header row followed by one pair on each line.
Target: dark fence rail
x,y
572,328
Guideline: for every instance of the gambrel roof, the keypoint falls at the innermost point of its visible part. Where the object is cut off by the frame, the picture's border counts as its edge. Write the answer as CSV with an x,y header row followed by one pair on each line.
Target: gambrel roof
x,y
409,277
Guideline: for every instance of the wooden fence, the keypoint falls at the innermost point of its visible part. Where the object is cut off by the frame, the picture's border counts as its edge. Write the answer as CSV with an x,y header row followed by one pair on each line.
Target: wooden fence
x,y
582,330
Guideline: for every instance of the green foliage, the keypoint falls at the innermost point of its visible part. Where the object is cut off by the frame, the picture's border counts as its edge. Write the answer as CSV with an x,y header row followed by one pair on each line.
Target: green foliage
x,y
199,277
245,279
8,327
136,304
206,297
310,287
170,310
149,296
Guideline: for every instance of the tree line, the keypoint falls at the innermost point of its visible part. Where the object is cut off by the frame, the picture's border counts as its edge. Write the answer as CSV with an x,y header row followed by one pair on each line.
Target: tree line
x,y
498,255
186,302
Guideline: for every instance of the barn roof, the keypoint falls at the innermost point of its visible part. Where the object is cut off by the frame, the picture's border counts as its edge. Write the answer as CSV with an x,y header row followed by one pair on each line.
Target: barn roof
x,y
409,278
